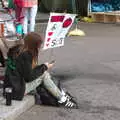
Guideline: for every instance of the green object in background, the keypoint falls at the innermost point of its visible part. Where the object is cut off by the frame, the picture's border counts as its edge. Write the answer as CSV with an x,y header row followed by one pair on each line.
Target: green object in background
x,y
59,5
74,6
76,20
11,4
56,6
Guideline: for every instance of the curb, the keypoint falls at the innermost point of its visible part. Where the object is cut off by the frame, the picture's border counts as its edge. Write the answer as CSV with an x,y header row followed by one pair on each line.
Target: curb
x,y
17,108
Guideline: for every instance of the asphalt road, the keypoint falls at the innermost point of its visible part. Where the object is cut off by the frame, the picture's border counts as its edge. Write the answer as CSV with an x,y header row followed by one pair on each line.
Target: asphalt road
x,y
89,67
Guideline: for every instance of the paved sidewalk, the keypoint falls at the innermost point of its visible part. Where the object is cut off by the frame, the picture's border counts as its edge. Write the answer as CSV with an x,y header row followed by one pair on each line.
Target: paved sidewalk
x,y
89,67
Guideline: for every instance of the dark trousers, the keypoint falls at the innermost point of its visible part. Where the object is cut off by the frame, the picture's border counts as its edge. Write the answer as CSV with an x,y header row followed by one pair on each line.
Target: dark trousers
x,y
2,60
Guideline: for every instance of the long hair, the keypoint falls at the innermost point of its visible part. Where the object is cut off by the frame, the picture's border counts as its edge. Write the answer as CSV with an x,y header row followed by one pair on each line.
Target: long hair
x,y
32,44
14,51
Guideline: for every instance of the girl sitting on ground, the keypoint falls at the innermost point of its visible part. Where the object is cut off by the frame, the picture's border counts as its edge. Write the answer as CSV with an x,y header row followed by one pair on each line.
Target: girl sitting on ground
x,y
23,74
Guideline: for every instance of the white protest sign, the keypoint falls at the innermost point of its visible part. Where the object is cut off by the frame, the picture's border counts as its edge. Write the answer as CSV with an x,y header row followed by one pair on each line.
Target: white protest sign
x,y
57,28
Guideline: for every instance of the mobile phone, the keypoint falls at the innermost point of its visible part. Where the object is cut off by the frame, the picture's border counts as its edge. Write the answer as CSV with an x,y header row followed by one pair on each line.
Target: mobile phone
x,y
53,61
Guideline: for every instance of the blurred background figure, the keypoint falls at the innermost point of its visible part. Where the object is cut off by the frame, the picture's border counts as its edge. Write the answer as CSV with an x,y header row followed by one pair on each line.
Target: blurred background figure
x,y
29,11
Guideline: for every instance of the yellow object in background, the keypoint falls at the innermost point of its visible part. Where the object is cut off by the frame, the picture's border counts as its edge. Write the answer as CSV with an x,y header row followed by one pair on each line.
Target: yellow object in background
x,y
76,32
87,19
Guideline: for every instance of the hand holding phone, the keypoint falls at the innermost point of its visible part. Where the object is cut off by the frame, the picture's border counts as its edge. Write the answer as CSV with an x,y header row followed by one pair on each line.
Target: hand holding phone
x,y
50,64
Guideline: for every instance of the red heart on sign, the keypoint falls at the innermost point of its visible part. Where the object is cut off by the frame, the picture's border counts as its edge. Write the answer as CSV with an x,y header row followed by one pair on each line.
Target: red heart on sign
x,y
50,33
47,45
48,39
67,23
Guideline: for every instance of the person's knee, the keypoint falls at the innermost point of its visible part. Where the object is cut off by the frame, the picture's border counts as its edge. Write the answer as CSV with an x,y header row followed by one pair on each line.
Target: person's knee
x,y
46,75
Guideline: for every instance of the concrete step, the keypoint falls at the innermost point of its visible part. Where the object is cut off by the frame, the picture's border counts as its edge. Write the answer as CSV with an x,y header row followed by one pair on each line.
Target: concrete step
x,y
17,108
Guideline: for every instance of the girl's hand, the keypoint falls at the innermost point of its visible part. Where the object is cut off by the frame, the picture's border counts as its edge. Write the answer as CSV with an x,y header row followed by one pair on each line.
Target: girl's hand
x,y
49,65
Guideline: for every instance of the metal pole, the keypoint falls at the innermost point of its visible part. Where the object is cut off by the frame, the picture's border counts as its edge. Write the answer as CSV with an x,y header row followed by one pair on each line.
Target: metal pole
x,y
89,7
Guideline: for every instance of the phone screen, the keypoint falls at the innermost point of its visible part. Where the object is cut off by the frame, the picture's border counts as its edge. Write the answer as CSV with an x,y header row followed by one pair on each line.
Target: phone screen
x,y
53,61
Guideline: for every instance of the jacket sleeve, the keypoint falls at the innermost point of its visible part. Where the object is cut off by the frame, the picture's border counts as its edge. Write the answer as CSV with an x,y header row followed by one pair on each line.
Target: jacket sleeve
x,y
30,74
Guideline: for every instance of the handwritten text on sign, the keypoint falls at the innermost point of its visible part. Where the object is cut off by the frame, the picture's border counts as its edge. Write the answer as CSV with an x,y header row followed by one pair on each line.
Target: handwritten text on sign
x,y
58,26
